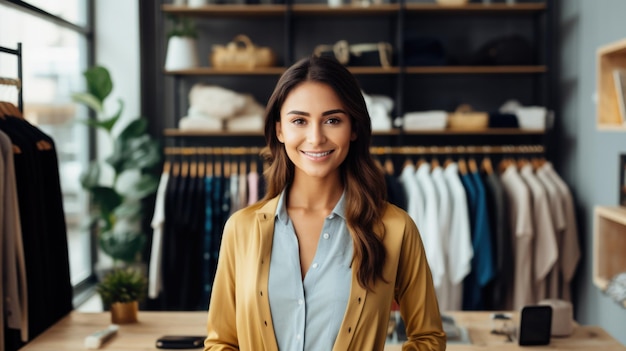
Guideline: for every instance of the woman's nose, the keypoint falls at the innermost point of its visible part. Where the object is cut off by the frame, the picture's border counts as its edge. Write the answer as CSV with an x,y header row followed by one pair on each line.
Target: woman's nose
x,y
315,135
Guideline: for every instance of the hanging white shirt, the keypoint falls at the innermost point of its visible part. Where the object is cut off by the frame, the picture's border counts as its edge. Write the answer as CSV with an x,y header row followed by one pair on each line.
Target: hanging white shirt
x,y
459,248
431,235
155,282
414,197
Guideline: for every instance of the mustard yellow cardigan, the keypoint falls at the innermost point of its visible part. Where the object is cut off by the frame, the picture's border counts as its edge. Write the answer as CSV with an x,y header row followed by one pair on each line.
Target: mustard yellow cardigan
x,y
239,315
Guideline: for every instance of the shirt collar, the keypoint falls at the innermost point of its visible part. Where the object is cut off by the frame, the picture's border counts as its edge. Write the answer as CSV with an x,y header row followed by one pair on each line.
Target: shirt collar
x,y
281,209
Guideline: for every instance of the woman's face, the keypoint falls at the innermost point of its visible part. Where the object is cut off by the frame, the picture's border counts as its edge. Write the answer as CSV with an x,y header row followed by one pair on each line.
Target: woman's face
x,y
316,130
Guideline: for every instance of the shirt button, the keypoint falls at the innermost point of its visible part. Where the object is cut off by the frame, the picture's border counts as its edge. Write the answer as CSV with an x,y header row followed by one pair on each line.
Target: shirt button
x,y
300,302
298,336
332,215
315,265
326,235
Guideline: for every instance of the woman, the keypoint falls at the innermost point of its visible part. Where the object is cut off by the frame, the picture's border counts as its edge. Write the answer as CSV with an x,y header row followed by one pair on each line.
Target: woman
x,y
318,262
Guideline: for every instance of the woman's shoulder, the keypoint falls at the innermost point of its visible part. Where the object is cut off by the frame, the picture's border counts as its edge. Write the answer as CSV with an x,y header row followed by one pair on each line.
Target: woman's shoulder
x,y
392,212
249,213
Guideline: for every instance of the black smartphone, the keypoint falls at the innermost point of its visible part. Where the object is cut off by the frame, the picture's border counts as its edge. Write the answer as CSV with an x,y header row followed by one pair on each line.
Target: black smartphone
x,y
535,325
180,342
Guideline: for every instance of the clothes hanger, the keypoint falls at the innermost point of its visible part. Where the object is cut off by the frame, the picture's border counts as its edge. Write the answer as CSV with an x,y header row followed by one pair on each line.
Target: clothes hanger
x,y
407,162
201,164
167,165
253,166
193,166
175,168
472,165
184,168
434,162
208,163
487,166
420,161
8,109
462,166
389,166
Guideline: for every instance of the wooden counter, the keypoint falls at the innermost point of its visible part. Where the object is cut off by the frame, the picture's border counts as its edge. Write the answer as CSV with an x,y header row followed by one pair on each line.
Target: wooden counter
x,y
69,333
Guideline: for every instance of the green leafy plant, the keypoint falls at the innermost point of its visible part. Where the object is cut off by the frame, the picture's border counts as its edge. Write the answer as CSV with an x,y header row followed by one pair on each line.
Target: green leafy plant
x,y
182,27
122,285
118,213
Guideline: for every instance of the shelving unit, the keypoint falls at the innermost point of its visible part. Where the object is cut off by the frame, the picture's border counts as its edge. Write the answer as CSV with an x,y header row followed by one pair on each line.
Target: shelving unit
x,y
609,244
609,58
298,29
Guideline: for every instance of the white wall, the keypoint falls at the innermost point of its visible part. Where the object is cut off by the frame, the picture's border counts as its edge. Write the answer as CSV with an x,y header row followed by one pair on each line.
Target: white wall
x,y
117,48
589,158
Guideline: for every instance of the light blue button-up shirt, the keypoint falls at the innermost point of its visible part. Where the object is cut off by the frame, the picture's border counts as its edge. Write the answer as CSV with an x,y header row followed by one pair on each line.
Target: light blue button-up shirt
x,y
307,314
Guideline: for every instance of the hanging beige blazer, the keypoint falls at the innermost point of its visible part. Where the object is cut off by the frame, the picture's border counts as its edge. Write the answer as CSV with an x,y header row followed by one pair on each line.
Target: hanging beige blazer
x,y
239,315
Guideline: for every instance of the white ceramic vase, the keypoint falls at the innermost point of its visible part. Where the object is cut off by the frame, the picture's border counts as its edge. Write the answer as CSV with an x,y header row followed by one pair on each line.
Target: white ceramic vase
x,y
182,53
196,3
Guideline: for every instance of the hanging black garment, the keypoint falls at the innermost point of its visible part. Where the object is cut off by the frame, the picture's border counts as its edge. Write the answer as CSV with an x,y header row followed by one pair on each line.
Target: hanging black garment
x,y
43,226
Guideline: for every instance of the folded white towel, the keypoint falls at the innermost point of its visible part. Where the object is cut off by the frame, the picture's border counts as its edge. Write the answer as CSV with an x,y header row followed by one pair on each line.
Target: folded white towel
x,y
528,117
532,117
425,120
246,123
216,101
200,123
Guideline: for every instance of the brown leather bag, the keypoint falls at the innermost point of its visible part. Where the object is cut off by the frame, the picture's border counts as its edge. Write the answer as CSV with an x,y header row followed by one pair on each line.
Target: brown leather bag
x,y
242,53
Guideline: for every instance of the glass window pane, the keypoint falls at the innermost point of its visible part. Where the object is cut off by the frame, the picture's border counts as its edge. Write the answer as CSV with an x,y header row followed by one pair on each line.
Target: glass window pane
x,y
53,61
74,11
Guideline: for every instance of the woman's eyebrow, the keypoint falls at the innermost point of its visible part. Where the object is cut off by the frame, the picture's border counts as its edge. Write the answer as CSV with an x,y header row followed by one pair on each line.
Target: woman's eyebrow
x,y
332,112
295,112
326,113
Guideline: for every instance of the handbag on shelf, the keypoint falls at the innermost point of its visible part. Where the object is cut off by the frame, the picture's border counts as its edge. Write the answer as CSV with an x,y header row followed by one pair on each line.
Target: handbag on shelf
x,y
366,54
465,118
242,53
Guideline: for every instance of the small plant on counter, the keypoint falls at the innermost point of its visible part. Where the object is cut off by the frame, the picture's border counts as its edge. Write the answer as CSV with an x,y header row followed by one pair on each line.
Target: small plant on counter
x,y
122,285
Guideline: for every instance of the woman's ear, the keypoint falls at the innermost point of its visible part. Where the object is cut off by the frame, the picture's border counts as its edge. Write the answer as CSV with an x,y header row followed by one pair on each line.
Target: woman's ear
x,y
353,136
279,133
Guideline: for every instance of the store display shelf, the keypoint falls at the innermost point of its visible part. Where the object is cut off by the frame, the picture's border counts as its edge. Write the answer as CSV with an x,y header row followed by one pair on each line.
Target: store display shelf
x,y
475,69
174,132
610,57
236,10
210,71
347,9
609,244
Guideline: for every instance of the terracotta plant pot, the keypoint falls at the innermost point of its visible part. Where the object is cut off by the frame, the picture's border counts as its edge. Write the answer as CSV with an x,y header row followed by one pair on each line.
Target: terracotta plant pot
x,y
124,312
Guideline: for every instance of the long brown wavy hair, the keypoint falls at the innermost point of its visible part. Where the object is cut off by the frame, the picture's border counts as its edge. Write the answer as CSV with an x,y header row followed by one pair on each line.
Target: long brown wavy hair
x,y
363,180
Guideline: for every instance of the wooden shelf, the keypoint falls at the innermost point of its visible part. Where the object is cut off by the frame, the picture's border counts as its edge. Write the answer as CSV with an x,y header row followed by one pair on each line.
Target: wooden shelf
x,y
486,131
516,8
609,244
475,69
609,58
226,10
210,71
174,132
325,10
243,10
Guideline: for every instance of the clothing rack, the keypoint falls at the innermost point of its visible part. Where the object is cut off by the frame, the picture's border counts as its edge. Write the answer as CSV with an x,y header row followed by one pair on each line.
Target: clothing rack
x,y
240,150
448,150
12,81
375,150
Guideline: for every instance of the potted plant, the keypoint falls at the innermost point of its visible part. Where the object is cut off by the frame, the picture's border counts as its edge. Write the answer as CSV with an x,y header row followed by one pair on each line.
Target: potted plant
x,y
119,184
121,290
182,50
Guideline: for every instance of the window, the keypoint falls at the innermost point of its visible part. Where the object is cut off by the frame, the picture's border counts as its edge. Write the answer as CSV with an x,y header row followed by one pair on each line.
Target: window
x,y
55,53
